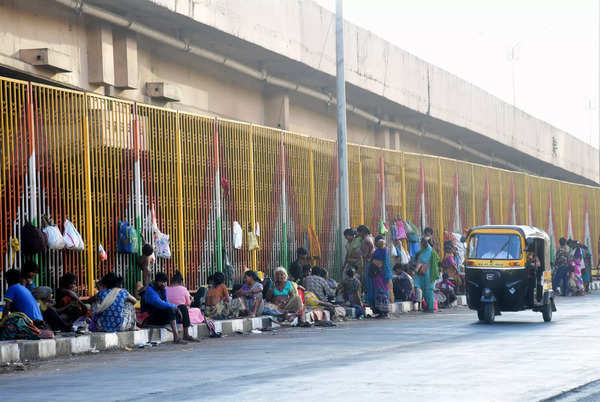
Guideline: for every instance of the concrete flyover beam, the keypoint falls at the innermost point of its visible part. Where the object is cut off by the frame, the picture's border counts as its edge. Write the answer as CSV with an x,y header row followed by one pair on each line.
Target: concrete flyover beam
x,y
262,75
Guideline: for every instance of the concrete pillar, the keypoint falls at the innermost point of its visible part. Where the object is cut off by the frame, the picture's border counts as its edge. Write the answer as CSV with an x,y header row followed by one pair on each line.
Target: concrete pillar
x,y
382,137
277,109
395,141
101,69
125,60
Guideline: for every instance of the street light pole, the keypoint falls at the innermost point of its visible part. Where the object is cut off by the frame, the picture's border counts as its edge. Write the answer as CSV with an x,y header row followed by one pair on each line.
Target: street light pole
x,y
344,214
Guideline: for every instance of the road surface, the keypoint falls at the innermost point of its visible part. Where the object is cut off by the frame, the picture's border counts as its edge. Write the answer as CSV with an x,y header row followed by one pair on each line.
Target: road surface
x,y
418,357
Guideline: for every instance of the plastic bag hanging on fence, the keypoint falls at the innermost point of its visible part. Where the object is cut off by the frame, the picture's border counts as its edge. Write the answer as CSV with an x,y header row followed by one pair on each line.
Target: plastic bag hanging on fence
x,y
33,240
404,258
400,232
383,229
102,253
128,239
55,238
162,249
252,242
238,235
73,240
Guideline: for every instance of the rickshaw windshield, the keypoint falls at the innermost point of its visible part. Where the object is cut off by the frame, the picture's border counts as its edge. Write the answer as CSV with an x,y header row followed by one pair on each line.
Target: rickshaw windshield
x,y
495,246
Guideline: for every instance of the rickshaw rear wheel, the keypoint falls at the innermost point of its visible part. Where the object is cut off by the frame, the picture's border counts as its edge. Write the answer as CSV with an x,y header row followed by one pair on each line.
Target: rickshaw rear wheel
x,y
487,313
547,311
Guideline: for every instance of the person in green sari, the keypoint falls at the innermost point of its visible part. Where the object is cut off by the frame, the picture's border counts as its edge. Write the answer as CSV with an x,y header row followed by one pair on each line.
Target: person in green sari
x,y
426,272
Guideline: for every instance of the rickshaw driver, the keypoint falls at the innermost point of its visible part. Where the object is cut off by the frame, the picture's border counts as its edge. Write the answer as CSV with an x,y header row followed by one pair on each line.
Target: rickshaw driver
x,y
533,265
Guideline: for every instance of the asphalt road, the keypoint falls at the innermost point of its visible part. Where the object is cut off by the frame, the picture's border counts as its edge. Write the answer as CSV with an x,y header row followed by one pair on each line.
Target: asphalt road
x,y
445,356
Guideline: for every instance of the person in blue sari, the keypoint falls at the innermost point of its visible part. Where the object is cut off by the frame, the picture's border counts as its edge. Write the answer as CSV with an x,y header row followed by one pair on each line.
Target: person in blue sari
x,y
423,269
377,278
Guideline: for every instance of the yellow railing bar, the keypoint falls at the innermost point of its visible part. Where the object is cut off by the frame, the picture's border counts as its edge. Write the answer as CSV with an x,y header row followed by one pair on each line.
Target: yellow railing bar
x,y
251,194
181,245
88,202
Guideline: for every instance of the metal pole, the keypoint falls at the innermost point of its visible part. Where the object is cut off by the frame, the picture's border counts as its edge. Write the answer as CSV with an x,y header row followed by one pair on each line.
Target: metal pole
x,y
341,124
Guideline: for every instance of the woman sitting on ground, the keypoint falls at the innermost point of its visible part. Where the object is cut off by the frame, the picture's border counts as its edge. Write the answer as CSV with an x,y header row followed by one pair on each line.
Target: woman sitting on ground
x,y
43,295
217,297
114,307
250,295
179,295
283,297
68,304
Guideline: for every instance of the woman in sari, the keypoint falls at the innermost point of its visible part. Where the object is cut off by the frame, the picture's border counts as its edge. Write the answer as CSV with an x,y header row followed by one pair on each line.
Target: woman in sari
x,y
114,308
68,304
283,297
576,280
423,270
377,278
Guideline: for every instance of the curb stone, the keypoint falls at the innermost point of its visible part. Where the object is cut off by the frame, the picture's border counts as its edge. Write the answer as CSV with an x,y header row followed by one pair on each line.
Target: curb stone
x,y
18,351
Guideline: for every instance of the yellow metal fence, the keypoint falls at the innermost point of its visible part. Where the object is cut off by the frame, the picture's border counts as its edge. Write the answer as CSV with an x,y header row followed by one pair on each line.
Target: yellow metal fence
x,y
99,161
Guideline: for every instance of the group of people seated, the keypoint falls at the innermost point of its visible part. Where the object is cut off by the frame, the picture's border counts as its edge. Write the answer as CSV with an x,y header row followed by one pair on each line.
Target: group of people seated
x,y
368,279
32,312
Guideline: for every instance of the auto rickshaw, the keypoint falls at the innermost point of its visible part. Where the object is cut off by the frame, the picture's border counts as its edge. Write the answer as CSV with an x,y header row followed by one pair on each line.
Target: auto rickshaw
x,y
507,268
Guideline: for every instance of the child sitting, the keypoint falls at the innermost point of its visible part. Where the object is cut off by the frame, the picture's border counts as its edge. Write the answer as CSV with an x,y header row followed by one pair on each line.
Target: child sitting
x,y
446,293
217,297
403,283
352,291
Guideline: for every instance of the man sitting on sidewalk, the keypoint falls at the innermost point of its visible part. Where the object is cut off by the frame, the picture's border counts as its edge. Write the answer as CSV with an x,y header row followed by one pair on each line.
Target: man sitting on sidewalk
x,y
19,299
161,312
314,282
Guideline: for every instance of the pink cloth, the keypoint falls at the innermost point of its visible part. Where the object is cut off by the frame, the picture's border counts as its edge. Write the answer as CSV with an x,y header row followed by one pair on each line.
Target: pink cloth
x,y
178,295
196,316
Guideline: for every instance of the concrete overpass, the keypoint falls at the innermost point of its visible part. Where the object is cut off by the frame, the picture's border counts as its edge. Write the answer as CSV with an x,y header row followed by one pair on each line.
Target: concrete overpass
x,y
273,62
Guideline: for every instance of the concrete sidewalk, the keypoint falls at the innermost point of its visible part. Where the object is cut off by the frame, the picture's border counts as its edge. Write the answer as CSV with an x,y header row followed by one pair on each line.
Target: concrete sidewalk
x,y
21,351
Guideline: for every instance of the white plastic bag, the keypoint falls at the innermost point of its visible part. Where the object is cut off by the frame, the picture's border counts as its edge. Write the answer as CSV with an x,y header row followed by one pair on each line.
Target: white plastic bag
x,y
404,258
73,240
55,238
238,235
162,249
161,244
394,251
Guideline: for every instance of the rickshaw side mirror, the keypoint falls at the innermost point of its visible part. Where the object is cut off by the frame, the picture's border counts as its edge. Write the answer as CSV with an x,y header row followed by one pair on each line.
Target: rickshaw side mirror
x,y
529,241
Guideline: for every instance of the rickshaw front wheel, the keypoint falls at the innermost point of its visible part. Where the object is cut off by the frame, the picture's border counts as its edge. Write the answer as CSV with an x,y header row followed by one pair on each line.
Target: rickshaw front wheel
x,y
487,313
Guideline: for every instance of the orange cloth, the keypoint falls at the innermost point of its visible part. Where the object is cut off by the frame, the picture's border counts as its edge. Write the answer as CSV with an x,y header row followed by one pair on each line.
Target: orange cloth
x,y
313,241
215,295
